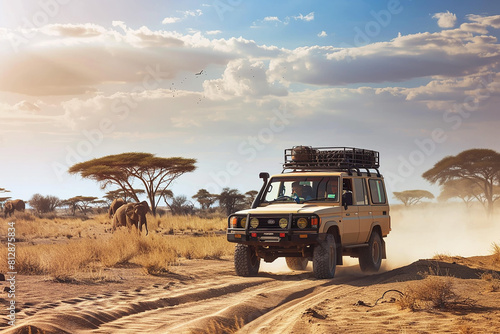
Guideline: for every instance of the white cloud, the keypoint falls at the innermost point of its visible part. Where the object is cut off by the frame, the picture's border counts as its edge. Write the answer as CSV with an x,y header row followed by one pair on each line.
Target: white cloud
x,y
74,30
193,13
169,20
449,53
27,106
213,32
445,20
242,78
493,21
124,57
184,15
308,17
285,21
271,19
120,24
322,34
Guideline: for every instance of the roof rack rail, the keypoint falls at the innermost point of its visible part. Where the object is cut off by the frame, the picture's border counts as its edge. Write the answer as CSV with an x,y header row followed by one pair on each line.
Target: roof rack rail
x,y
331,158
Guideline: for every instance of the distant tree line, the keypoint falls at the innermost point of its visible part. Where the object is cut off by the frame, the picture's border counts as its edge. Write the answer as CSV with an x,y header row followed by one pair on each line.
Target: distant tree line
x,y
229,200
472,175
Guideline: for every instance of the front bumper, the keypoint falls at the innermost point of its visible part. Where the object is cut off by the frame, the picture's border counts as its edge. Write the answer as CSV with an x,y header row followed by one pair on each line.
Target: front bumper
x,y
274,237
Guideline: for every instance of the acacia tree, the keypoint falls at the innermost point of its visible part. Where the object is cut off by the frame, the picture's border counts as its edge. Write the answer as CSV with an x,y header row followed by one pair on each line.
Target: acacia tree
x,y
82,203
3,199
120,193
480,166
205,198
411,197
231,200
463,189
250,197
156,174
181,206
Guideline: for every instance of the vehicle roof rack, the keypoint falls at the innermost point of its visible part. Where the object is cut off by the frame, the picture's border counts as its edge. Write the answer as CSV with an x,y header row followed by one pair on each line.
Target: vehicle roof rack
x,y
331,158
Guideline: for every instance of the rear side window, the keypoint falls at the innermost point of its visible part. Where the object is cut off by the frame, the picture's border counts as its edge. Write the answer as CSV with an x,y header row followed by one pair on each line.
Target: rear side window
x,y
377,191
360,191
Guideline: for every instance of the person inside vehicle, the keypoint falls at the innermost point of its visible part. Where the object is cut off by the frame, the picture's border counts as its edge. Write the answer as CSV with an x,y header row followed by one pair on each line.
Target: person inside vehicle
x,y
300,191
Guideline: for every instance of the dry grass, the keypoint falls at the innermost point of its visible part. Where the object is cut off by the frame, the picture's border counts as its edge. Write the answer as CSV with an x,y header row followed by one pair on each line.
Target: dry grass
x,y
69,249
29,227
430,293
493,280
443,257
183,224
495,251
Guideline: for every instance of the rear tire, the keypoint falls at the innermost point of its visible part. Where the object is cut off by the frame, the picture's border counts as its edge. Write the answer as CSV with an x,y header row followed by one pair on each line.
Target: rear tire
x,y
246,262
325,258
370,257
297,263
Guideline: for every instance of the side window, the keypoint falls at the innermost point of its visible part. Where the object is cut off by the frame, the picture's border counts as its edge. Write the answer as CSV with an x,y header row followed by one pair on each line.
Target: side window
x,y
377,191
360,192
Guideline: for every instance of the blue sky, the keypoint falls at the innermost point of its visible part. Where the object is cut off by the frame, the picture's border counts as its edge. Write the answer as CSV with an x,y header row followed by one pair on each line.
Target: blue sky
x,y
415,80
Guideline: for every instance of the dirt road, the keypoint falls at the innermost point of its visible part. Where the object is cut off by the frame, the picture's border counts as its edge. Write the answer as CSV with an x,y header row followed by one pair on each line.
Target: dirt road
x,y
203,296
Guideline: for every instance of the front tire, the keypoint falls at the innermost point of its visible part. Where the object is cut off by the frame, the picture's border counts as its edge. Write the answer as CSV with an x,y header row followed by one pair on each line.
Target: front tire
x,y
297,263
325,258
370,257
246,262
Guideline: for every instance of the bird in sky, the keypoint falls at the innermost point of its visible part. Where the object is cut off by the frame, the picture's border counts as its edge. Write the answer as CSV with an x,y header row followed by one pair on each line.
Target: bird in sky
x,y
199,73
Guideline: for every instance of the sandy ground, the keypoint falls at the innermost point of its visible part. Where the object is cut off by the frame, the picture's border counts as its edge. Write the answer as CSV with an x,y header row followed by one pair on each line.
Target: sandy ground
x,y
198,294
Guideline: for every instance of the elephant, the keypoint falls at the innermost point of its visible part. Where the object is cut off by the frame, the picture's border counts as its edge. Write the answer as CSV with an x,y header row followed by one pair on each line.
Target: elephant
x,y
115,205
131,214
11,206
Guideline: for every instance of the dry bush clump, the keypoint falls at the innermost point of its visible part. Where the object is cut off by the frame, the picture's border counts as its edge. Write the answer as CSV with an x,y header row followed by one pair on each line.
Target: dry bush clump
x,y
443,257
495,251
432,292
493,280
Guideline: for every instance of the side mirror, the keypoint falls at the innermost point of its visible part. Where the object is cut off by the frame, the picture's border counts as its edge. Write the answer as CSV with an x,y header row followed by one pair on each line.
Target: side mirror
x,y
347,200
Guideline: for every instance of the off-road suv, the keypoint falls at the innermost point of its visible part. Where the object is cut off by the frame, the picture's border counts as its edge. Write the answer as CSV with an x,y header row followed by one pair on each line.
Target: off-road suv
x,y
328,202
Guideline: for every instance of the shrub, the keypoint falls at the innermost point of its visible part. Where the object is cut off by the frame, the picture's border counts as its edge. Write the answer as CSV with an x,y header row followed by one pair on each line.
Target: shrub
x,y
496,251
432,292
44,204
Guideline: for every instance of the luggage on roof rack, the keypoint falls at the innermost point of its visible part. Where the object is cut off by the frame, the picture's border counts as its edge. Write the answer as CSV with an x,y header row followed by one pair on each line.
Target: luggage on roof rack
x,y
338,158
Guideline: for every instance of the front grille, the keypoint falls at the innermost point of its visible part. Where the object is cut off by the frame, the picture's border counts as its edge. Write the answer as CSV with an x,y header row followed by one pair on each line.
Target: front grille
x,y
272,222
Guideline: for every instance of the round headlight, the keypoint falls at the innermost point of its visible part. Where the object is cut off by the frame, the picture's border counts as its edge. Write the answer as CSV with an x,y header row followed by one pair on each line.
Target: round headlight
x,y
254,222
283,223
243,222
302,223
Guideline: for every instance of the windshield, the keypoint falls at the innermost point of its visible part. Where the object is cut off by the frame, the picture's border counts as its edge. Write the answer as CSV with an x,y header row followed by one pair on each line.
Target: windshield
x,y
302,189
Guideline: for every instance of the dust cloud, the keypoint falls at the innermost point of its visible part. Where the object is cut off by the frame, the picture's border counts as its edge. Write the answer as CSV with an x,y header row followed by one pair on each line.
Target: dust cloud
x,y
424,231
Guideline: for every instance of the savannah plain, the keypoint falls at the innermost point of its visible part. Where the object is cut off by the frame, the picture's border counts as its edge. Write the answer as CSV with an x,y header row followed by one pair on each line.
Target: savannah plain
x,y
442,275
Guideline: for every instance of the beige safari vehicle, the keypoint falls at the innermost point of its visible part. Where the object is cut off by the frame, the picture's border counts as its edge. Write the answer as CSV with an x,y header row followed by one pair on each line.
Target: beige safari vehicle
x,y
328,202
